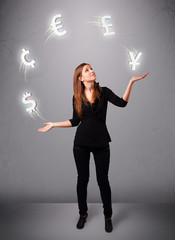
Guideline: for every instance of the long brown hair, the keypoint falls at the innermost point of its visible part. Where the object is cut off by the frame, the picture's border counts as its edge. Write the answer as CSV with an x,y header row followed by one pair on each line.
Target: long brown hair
x,y
78,88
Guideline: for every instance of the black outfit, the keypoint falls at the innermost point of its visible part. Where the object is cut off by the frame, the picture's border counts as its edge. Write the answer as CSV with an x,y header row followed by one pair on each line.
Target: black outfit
x,y
92,130
92,136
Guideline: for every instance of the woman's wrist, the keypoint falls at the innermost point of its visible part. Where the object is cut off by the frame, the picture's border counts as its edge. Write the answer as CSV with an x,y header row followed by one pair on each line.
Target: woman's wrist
x,y
53,124
131,81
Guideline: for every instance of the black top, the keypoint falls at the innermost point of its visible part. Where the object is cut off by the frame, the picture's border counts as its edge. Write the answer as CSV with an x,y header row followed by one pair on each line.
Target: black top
x,y
92,131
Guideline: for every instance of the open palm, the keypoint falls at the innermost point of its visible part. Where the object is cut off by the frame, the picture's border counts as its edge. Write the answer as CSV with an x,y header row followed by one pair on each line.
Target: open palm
x,y
48,126
138,77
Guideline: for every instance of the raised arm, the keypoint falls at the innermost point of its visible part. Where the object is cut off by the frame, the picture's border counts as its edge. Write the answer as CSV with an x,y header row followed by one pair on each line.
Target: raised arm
x,y
127,93
114,99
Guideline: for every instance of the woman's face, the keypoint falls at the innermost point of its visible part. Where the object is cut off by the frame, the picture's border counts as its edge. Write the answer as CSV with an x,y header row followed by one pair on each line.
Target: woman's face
x,y
88,74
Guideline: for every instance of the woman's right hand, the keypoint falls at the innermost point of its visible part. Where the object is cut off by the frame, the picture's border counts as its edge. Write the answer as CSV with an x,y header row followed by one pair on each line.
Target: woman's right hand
x,y
48,126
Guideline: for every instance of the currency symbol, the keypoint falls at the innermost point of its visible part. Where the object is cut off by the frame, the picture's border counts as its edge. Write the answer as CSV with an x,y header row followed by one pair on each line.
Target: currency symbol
x,y
134,59
106,26
56,25
29,101
23,58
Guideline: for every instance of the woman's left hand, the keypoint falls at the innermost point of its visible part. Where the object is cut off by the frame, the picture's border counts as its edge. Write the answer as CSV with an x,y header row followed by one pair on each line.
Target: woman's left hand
x,y
136,78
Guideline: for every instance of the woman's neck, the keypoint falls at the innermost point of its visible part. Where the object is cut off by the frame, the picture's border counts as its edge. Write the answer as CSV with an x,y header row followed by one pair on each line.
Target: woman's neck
x,y
89,87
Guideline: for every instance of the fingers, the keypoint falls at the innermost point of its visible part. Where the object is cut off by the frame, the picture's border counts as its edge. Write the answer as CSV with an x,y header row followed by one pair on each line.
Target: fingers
x,y
145,74
42,129
139,77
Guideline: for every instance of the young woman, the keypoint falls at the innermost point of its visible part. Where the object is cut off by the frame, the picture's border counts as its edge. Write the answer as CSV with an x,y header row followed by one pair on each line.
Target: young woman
x,y
90,108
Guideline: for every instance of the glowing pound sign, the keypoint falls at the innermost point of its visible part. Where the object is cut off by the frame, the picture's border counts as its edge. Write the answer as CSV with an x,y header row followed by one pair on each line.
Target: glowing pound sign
x,y
29,101
27,63
106,26
56,25
134,59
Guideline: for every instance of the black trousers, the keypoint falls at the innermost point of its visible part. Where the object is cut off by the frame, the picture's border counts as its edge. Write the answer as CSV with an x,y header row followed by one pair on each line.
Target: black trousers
x,y
102,160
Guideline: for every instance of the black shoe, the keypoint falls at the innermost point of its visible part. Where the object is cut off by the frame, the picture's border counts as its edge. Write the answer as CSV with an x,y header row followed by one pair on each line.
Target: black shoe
x,y
108,225
81,222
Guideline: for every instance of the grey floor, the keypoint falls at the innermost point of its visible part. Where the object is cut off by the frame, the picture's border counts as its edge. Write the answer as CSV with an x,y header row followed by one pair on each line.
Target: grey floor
x,y
51,221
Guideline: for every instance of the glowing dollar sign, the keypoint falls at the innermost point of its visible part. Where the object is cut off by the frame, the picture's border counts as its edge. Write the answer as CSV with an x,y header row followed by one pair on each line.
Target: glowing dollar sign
x,y
106,26
134,59
27,101
56,25
27,63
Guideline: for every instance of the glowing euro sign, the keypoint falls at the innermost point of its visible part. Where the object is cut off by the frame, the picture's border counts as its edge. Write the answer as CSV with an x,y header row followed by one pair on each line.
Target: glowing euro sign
x,y
106,26
56,25
27,63
29,101
134,59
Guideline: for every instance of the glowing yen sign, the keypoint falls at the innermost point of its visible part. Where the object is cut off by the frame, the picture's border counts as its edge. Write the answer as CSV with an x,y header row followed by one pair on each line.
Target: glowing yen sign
x,y
134,59
106,25
56,25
